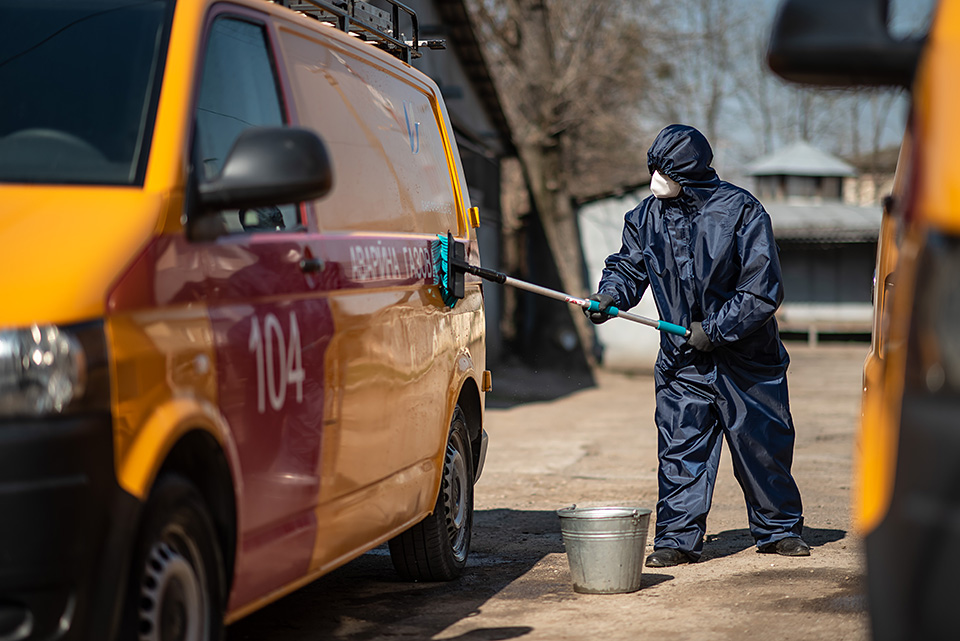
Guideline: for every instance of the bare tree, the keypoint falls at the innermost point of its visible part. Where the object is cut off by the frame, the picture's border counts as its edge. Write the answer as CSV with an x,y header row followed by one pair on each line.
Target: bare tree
x,y
697,50
570,73
713,75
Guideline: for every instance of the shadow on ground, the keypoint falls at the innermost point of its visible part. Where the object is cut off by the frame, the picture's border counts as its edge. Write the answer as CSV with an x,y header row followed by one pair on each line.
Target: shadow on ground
x,y
365,600
730,542
515,383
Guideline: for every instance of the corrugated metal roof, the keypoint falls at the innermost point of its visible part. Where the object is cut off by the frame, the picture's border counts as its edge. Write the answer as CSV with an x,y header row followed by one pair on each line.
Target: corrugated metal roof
x,y
800,159
830,222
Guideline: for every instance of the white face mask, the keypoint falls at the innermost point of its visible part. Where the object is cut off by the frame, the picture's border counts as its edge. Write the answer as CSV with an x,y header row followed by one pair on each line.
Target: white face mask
x,y
663,187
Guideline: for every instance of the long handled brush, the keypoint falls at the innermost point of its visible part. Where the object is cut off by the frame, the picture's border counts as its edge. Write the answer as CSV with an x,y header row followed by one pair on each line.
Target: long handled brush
x,y
448,256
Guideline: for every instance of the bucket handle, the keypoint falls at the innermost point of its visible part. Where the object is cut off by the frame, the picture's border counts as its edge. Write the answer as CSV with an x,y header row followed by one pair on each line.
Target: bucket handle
x,y
635,515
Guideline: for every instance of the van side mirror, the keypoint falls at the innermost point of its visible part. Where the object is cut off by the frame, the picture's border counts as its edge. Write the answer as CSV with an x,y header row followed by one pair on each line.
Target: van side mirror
x,y
269,166
840,43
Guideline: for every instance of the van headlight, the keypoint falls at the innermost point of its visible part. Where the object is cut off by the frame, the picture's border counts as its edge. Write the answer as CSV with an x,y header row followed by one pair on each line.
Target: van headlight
x,y
42,369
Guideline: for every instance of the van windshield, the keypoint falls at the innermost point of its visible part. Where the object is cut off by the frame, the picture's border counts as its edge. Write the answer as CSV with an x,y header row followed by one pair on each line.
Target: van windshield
x,y
79,81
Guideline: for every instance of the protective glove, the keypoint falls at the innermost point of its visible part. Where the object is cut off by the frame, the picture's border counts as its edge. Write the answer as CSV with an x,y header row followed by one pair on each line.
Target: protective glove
x,y
605,301
698,339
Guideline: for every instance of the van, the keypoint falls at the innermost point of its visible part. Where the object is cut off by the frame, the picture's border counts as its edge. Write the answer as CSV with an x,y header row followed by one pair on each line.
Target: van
x,y
907,494
225,364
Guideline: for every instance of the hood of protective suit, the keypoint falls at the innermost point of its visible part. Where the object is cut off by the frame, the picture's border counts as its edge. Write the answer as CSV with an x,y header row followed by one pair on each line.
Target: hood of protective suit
x,y
683,153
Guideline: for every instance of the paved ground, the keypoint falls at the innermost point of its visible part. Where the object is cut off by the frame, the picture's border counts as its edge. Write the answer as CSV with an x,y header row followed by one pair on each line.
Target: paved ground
x,y
597,446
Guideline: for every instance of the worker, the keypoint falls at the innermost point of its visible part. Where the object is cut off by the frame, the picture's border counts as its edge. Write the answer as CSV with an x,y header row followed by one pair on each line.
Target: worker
x,y
706,250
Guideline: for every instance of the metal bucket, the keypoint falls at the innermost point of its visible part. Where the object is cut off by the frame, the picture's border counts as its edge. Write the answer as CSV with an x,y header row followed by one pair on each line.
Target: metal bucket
x,y
605,547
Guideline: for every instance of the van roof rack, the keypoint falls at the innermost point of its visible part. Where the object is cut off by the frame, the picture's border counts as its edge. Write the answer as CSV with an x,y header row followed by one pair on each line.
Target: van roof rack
x,y
370,23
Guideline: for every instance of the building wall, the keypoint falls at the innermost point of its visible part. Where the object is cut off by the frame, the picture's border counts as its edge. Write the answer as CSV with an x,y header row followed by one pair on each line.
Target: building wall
x,y
867,189
624,345
827,288
806,189
827,273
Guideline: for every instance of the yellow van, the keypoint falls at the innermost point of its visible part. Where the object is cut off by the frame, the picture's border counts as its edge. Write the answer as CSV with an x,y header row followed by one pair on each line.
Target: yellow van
x,y
907,497
225,364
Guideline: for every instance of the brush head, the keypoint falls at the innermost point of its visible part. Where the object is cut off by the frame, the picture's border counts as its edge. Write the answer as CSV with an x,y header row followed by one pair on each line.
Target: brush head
x,y
446,252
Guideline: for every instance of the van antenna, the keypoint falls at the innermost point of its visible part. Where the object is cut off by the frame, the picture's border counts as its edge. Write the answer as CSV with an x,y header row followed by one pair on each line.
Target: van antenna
x,y
369,23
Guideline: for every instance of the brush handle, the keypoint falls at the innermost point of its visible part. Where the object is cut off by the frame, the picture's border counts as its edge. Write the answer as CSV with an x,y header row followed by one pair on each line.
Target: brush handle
x,y
663,326
670,328
591,305
482,272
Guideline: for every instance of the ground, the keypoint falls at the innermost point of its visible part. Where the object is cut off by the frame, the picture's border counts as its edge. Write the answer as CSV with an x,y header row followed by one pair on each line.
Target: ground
x,y
597,446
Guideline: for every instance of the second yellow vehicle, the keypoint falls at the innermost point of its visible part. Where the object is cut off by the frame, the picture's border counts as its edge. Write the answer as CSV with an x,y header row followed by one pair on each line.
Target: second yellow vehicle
x,y
907,500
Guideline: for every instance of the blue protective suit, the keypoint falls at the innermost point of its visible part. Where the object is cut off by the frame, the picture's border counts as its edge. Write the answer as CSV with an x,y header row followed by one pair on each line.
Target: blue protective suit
x,y
709,255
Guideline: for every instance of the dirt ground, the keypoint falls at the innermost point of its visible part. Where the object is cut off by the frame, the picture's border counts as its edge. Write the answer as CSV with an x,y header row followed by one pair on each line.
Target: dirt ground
x,y
597,446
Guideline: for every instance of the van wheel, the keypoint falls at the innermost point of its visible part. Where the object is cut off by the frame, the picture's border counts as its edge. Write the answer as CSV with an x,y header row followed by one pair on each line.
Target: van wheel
x,y
435,549
177,582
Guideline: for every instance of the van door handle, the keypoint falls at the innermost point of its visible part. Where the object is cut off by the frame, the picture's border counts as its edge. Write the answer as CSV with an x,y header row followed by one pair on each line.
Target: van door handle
x,y
311,265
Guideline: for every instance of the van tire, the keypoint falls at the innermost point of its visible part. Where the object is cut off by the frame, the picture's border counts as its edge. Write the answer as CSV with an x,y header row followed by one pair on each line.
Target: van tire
x,y
436,548
177,578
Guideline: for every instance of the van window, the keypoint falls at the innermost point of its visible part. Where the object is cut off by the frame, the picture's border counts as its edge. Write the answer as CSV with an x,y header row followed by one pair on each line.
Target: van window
x,y
238,91
384,138
79,81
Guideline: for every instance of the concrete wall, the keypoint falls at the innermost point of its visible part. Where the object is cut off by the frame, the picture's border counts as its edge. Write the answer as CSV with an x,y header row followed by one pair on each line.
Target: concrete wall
x,y
626,346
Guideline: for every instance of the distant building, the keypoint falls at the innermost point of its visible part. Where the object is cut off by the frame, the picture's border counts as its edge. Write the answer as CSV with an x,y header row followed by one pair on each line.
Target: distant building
x,y
800,174
827,247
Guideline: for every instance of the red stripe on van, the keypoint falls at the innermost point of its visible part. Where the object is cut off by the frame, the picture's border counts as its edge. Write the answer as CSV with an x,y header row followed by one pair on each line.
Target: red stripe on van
x,y
168,271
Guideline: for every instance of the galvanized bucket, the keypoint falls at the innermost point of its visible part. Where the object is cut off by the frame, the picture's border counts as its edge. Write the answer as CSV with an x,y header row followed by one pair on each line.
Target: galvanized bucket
x,y
605,547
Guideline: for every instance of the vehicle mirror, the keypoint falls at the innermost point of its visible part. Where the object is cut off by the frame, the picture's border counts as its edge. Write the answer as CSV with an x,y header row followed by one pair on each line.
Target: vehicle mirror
x,y
269,166
889,204
840,43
